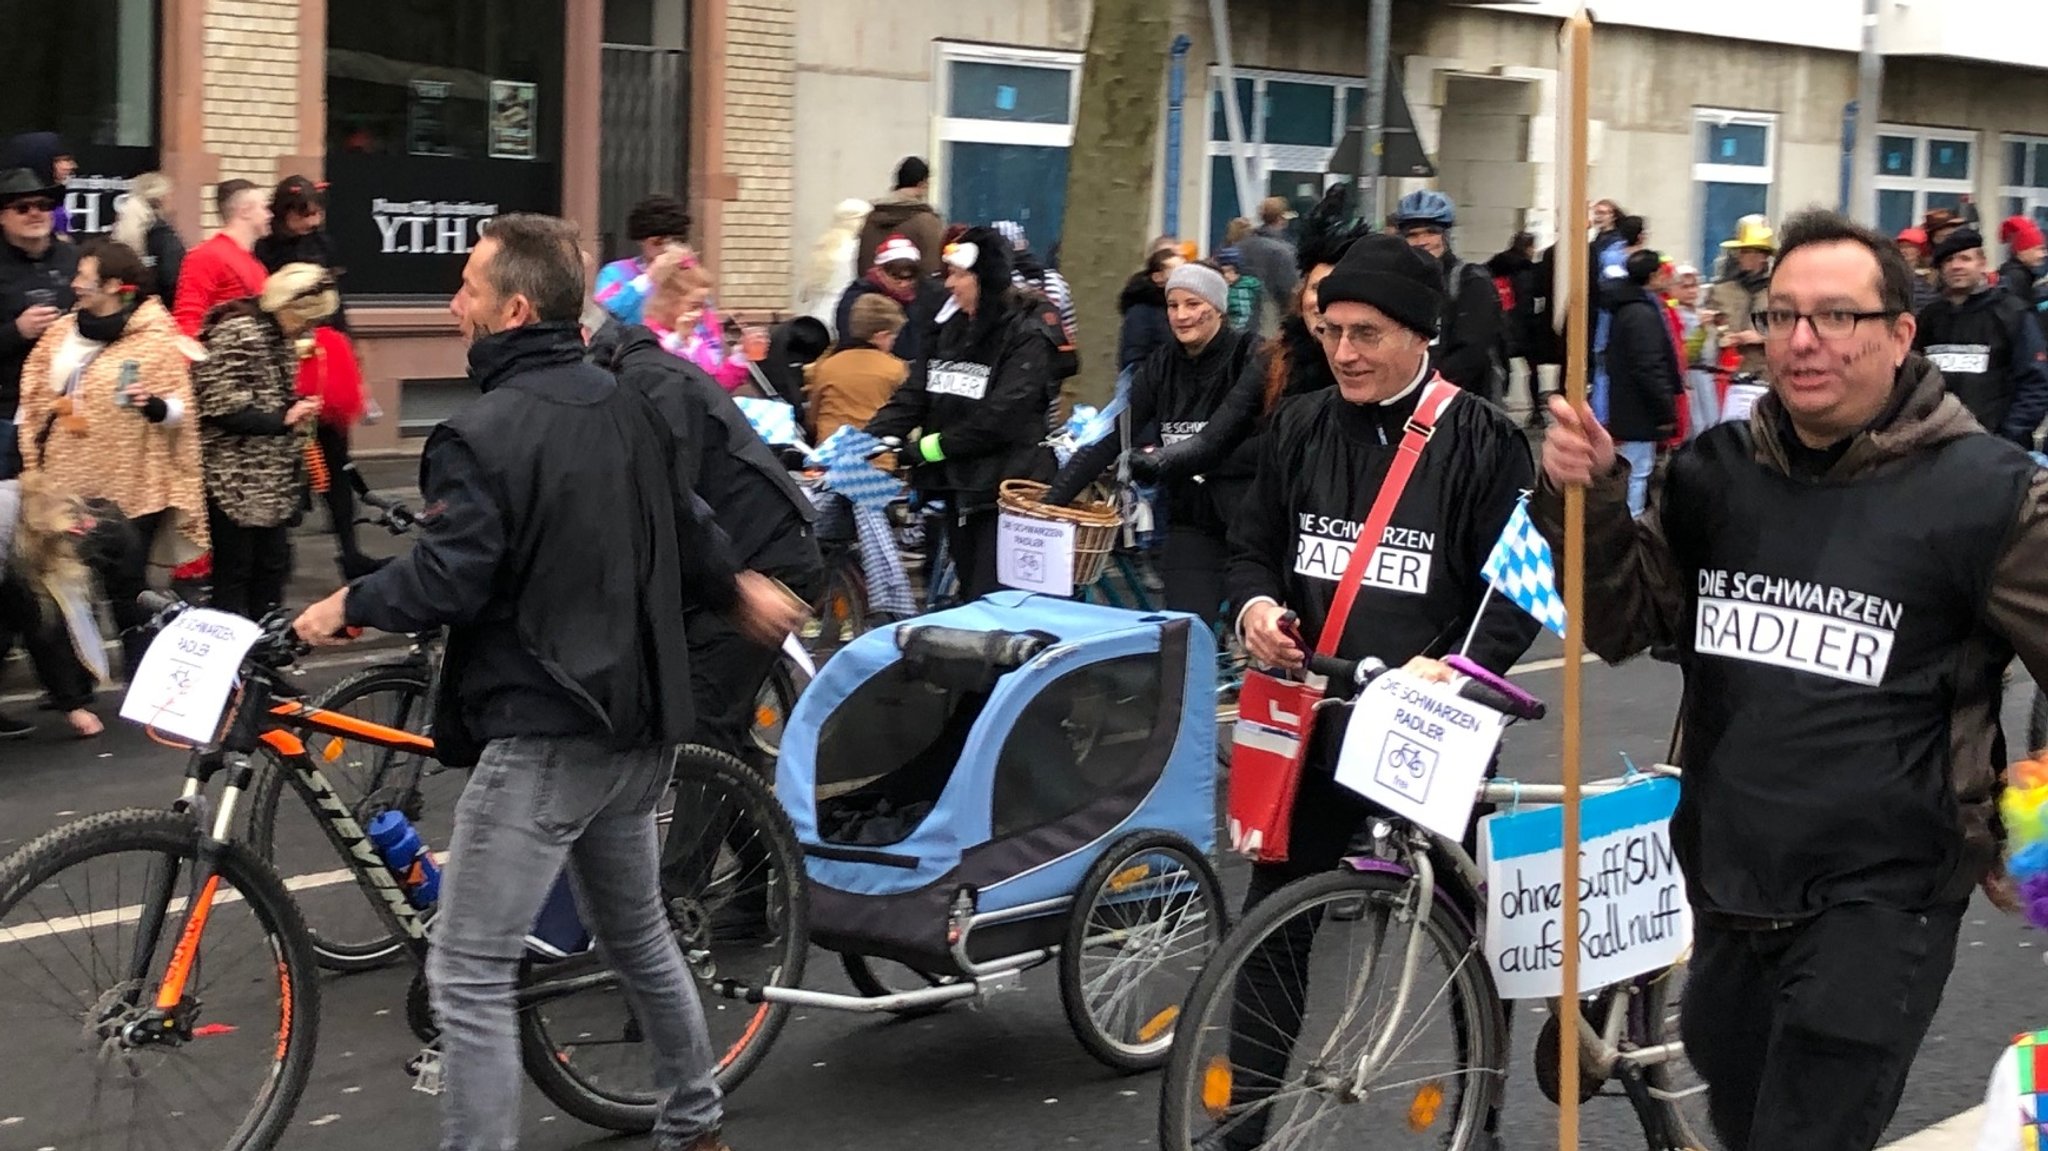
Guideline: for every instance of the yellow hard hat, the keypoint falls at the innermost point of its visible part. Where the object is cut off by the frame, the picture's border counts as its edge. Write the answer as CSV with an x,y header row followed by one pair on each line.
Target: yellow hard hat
x,y
1752,233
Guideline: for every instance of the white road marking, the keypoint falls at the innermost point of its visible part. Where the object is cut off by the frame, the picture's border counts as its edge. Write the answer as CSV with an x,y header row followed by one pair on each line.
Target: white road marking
x,y
65,925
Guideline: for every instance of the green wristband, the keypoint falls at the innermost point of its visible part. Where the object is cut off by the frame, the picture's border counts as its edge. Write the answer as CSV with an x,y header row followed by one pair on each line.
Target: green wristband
x,y
929,448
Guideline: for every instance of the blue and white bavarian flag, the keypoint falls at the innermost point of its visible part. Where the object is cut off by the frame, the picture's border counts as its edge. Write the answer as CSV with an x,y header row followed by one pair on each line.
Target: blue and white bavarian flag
x,y
1520,568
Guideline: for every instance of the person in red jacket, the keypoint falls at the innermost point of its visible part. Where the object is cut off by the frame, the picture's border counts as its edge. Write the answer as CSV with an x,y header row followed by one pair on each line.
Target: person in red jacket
x,y
222,270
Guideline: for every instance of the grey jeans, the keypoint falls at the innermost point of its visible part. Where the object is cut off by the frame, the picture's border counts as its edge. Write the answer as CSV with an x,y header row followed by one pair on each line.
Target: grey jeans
x,y
531,804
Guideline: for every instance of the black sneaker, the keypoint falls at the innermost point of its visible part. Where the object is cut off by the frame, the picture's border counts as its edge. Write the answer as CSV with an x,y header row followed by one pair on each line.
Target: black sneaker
x,y
12,728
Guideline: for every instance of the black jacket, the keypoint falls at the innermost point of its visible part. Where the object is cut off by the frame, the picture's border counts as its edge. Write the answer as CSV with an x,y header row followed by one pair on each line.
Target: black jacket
x,y
987,392
1990,351
1198,409
274,251
765,516
919,317
1520,273
1642,367
1321,465
1471,350
2028,287
1145,330
19,275
164,253
557,552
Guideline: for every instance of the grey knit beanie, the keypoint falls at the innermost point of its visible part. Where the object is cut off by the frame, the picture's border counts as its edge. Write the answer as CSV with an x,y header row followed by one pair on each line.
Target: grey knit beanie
x,y
1205,282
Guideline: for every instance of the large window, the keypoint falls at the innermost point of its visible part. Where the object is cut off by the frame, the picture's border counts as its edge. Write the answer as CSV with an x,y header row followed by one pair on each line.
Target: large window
x,y
1920,170
1292,125
2025,191
1005,122
1734,163
440,115
86,70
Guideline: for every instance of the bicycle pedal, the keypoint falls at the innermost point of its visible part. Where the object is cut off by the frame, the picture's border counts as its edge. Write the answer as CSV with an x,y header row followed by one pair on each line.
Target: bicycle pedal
x,y
425,1069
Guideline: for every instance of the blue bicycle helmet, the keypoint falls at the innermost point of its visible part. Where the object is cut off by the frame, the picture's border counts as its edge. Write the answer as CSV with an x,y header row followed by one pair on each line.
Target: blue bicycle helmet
x,y
1428,206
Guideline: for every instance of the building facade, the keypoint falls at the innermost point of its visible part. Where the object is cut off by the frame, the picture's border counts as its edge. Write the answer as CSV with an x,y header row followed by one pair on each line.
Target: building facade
x,y
425,118
1701,113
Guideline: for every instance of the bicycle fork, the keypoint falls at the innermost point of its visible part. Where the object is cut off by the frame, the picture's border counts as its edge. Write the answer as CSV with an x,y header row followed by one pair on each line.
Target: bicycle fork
x,y
1372,1061
124,1024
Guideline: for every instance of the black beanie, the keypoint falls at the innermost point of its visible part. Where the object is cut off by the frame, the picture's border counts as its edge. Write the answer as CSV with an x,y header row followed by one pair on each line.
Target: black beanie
x,y
1955,243
1382,270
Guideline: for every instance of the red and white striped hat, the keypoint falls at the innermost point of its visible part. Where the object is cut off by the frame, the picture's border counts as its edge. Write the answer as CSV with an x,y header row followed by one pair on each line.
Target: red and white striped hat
x,y
897,249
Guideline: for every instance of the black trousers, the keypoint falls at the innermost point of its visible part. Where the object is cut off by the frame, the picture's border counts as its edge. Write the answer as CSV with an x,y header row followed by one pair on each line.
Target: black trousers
x,y
250,565
26,612
1193,570
727,671
1804,1034
971,540
341,500
125,577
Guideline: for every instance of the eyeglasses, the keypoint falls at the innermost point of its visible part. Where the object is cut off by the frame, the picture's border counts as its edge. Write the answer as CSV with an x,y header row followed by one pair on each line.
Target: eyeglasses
x,y
24,207
1829,324
1364,337
901,271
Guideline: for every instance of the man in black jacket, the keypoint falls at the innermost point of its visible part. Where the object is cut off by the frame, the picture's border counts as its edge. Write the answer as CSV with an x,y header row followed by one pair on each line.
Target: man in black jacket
x,y
1642,374
560,555
765,517
1471,345
1985,342
1845,574
1322,463
35,288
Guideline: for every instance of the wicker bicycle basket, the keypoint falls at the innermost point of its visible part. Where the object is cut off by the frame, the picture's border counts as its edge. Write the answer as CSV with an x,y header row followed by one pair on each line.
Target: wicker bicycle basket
x,y
1095,524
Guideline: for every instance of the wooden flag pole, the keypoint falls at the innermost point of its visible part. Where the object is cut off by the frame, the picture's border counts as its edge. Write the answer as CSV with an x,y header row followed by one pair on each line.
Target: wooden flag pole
x,y
1574,101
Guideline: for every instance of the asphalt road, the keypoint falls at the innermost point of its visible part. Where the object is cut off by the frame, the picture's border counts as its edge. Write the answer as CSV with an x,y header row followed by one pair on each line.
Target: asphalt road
x,y
1006,1077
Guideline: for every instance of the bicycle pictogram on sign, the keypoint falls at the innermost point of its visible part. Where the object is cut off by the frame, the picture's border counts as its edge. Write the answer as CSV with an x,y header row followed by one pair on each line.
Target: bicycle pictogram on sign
x,y
1406,766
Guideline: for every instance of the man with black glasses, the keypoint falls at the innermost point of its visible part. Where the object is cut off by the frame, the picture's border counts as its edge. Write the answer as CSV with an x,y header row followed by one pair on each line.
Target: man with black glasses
x,y
1844,576
35,288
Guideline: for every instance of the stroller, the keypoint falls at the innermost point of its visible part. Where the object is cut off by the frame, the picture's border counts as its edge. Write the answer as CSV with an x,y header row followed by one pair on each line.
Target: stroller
x,y
1017,781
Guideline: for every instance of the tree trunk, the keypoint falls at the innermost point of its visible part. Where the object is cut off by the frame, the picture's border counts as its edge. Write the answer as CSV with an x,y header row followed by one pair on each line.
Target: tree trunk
x,y
1110,176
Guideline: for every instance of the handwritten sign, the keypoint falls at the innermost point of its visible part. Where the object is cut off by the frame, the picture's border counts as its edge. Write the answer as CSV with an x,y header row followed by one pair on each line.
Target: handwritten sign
x,y
1633,916
1035,555
1417,749
183,684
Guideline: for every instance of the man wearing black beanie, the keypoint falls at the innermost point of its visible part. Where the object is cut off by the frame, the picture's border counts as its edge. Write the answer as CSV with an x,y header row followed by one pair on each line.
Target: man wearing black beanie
x,y
1322,466
1984,340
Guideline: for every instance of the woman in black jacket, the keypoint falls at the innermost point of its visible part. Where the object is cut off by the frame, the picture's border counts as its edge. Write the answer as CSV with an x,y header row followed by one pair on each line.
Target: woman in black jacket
x,y
1642,373
139,223
1193,404
1143,307
981,403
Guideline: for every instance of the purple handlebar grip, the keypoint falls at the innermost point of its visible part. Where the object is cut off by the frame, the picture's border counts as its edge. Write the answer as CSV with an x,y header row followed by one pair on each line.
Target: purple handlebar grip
x,y
1519,703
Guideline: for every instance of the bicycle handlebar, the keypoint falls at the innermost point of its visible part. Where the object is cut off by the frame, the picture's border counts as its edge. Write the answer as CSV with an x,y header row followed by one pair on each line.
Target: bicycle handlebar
x,y
275,649
1476,683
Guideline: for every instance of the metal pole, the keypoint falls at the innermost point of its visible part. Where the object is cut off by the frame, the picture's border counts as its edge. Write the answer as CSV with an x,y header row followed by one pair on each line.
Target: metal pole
x,y
1176,98
1233,116
1869,92
1371,161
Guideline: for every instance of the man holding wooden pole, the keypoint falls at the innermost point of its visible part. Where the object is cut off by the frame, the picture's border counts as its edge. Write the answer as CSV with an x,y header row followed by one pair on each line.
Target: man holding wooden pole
x,y
1845,576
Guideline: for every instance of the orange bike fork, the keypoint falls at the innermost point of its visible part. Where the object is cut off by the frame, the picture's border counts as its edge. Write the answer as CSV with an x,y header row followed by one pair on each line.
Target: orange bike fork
x,y
180,969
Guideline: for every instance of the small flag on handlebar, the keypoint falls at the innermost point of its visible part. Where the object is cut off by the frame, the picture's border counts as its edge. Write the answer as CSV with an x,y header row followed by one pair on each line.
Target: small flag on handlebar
x,y
846,455
1521,569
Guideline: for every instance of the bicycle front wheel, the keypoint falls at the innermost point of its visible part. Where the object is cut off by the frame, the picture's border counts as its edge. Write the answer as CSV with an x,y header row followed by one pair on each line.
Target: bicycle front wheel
x,y
90,916
1273,1047
733,882
348,928
1677,1092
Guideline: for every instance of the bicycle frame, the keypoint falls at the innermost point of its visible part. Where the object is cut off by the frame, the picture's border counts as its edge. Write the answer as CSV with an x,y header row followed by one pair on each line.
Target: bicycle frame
x,y
276,728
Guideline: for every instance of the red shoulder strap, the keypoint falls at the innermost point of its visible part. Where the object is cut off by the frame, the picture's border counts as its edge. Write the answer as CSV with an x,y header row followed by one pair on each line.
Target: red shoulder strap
x,y
1436,396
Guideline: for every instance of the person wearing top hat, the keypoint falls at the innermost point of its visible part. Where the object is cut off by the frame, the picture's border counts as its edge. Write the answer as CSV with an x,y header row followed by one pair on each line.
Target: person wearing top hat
x,y
1735,299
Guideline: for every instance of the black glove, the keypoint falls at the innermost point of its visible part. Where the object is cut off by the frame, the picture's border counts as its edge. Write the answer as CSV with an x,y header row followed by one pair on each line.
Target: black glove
x,y
1145,466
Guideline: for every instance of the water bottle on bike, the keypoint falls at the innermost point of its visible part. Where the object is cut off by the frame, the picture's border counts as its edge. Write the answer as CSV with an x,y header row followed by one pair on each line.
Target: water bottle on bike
x,y
399,845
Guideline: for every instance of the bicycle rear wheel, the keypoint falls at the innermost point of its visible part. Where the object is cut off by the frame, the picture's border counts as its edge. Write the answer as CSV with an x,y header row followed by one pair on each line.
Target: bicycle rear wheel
x,y
1236,1078
348,929
89,919
739,913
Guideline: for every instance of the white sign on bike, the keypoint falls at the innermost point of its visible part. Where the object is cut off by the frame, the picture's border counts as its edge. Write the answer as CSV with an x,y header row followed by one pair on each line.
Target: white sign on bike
x,y
183,684
1633,915
1417,749
1035,555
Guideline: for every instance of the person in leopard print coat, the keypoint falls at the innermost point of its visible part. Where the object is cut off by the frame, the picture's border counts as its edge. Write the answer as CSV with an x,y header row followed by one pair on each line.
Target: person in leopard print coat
x,y
252,432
